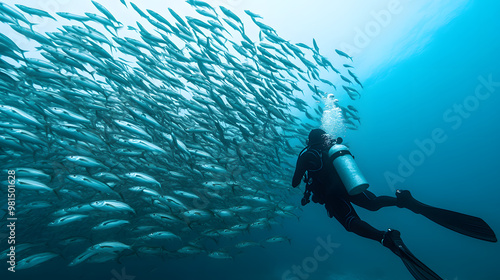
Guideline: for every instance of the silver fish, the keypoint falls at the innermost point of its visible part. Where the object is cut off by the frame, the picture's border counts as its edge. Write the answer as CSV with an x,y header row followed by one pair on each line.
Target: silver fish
x,y
142,178
67,219
20,115
35,260
112,205
91,183
110,224
219,255
85,161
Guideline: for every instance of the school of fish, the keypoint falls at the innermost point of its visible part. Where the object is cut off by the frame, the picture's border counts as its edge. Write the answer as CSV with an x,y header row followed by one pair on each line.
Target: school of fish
x,y
175,140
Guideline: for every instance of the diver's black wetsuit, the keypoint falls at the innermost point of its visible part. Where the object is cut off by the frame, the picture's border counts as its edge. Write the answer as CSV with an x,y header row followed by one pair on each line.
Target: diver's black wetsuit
x,y
324,182
328,189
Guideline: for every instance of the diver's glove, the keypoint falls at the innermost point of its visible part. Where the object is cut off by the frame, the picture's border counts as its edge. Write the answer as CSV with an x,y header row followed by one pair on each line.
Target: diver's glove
x,y
304,201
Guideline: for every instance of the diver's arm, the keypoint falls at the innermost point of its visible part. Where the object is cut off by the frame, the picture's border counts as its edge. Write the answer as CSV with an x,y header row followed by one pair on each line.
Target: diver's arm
x,y
299,172
306,161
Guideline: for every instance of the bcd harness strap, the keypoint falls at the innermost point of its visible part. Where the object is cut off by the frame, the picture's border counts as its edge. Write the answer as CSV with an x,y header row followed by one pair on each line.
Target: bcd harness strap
x,y
318,155
340,153
307,191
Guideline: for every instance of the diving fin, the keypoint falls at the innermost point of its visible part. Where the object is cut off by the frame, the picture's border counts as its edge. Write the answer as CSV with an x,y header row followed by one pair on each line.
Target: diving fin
x,y
392,240
465,224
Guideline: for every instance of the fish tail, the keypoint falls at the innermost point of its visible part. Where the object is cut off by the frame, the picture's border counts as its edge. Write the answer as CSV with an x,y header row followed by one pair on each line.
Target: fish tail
x,y
57,194
107,29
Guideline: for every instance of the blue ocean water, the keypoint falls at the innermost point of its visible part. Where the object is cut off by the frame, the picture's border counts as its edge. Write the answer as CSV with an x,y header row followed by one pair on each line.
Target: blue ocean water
x,y
432,91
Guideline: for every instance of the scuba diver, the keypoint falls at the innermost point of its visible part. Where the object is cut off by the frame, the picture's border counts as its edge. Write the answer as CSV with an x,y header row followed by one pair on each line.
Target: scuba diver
x,y
334,180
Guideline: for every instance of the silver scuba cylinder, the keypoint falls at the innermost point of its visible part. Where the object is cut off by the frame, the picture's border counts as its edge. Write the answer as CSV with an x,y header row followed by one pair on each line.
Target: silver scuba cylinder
x,y
354,181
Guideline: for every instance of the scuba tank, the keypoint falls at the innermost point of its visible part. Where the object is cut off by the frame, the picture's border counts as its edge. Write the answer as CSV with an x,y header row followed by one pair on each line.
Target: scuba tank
x,y
343,161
